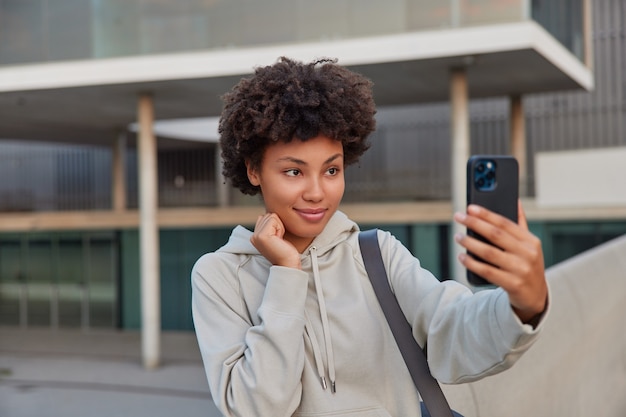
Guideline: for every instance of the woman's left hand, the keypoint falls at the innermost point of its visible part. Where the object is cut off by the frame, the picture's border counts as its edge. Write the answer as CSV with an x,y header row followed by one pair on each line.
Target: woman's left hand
x,y
516,260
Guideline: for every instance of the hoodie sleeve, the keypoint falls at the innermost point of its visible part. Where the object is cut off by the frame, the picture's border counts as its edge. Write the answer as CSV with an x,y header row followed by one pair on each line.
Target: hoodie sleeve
x,y
468,335
251,369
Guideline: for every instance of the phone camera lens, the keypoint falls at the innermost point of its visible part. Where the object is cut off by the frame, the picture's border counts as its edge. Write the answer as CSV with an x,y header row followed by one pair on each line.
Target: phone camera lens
x,y
485,175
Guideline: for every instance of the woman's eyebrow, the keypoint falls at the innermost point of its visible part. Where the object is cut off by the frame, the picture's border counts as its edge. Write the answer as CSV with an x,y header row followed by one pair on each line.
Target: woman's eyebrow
x,y
332,158
292,160
301,162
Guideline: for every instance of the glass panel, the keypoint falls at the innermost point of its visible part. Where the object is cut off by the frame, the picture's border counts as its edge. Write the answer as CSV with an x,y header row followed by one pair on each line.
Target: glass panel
x,y
68,41
41,30
270,21
102,289
21,31
569,240
39,278
428,14
222,31
10,265
71,298
11,285
166,26
115,29
10,304
71,288
365,17
564,20
73,29
65,279
481,12
38,309
39,258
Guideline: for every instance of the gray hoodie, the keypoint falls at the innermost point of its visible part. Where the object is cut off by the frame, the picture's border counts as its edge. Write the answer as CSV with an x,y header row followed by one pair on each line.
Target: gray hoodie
x,y
278,341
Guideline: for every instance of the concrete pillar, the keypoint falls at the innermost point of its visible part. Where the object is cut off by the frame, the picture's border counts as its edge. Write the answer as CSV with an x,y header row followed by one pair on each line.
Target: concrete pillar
x,y
518,141
460,127
149,235
455,13
119,173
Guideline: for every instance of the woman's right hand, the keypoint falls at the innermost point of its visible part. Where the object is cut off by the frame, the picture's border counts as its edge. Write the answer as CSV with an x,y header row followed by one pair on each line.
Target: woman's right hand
x,y
268,240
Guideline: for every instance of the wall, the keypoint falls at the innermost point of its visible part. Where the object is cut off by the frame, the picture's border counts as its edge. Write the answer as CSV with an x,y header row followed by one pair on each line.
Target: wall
x,y
578,367
581,178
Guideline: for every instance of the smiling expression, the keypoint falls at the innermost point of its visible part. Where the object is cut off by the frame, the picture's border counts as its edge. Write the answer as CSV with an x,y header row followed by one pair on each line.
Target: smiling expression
x,y
303,183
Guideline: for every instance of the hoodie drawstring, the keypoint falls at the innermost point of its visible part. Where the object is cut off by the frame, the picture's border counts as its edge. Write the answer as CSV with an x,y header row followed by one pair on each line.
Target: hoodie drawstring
x,y
324,316
316,351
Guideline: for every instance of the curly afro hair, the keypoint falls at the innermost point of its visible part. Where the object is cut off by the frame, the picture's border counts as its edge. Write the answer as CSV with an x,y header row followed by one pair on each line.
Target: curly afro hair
x,y
292,100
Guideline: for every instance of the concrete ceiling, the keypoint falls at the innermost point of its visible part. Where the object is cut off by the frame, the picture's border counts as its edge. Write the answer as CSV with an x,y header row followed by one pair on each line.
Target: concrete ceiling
x,y
96,114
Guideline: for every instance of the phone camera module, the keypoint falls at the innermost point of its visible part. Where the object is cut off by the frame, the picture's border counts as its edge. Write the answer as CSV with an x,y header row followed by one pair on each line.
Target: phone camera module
x,y
485,175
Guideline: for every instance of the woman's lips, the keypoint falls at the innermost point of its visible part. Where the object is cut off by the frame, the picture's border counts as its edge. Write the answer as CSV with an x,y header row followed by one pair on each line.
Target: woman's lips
x,y
312,215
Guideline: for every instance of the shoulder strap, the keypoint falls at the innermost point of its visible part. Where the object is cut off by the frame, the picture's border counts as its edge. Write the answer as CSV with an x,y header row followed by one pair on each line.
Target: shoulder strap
x,y
413,355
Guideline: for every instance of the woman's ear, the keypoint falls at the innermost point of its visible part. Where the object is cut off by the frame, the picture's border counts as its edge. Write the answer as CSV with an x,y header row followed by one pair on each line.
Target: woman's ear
x,y
253,175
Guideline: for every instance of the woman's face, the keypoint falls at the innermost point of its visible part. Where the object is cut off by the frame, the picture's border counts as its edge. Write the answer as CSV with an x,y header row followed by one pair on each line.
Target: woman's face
x,y
303,183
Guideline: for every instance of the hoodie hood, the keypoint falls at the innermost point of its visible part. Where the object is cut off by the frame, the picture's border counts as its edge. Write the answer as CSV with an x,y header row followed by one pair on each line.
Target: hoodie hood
x,y
338,229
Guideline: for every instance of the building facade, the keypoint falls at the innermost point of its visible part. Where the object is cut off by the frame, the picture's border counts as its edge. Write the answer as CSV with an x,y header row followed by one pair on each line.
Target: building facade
x,y
70,251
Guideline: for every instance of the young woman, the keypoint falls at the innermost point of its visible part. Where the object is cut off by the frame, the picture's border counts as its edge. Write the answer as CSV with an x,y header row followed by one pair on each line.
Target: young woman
x,y
286,318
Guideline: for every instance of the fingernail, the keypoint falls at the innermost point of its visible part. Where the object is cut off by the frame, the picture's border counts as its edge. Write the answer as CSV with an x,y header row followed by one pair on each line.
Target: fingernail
x,y
473,209
458,237
458,216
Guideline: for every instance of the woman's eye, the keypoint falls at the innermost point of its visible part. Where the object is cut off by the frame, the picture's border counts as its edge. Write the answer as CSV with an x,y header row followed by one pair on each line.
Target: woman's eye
x,y
333,171
292,172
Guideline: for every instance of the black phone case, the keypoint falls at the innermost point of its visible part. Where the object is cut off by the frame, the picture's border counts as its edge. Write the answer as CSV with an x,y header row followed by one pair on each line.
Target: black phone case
x,y
502,198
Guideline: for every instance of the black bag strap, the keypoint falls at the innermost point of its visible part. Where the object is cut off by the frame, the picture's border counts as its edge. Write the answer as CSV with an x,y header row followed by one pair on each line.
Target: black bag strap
x,y
412,353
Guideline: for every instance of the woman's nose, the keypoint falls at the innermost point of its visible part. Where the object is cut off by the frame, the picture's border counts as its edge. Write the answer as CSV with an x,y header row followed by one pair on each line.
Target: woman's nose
x,y
313,191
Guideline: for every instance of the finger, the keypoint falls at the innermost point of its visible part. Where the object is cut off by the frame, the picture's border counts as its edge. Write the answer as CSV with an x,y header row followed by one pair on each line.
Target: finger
x,y
259,222
485,251
521,215
491,273
271,225
492,218
278,226
511,256
496,229
506,234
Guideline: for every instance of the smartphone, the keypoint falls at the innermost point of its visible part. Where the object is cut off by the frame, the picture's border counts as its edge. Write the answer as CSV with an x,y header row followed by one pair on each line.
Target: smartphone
x,y
492,182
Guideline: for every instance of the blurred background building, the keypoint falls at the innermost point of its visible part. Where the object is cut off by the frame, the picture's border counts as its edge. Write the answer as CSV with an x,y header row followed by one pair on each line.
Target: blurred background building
x,y
545,79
